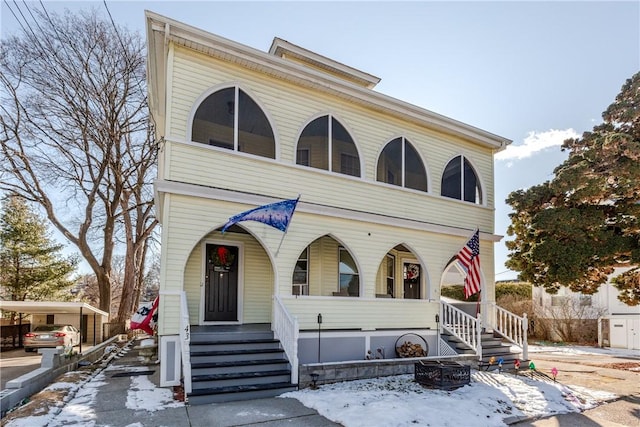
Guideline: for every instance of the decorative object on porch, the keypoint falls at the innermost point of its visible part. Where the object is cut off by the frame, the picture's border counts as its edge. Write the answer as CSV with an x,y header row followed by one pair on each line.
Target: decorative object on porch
x,y
469,260
413,271
554,372
411,345
222,259
445,375
277,215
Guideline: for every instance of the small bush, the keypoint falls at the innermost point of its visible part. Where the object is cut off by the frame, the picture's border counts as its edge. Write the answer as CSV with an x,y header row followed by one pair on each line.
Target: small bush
x,y
520,290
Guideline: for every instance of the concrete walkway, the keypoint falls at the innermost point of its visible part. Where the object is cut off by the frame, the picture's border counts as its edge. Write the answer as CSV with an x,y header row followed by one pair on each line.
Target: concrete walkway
x,y
113,386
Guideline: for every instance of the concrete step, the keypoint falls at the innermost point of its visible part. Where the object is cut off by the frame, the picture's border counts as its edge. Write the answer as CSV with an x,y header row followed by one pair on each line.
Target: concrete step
x,y
235,355
241,392
226,345
207,368
240,378
230,336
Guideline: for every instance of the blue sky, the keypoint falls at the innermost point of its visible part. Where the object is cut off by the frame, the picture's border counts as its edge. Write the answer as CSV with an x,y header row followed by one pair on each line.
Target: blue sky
x,y
533,72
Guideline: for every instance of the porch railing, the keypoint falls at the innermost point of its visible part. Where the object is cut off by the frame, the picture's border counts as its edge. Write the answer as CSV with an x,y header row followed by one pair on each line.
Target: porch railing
x,y
510,326
185,339
286,329
463,326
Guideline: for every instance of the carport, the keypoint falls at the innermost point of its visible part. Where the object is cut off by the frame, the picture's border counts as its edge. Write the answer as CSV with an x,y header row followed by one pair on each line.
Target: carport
x,y
72,313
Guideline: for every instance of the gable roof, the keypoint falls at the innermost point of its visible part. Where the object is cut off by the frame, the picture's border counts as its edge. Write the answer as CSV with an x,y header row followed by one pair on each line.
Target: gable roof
x,y
307,69
290,51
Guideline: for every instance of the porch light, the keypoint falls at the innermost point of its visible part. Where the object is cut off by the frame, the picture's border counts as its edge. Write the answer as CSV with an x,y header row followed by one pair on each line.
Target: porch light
x,y
314,380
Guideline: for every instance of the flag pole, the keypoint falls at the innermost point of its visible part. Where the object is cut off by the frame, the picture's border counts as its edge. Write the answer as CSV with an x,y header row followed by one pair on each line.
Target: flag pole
x,y
287,228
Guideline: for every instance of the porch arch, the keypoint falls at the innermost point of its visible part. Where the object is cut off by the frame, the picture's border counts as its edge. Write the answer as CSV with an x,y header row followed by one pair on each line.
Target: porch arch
x,y
256,274
403,254
332,269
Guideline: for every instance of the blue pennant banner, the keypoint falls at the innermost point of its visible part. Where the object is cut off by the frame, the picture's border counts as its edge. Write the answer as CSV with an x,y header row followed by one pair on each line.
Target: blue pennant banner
x,y
277,215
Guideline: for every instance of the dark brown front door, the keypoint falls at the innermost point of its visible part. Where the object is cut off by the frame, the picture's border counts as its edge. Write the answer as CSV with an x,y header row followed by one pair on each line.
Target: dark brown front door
x,y
221,284
411,275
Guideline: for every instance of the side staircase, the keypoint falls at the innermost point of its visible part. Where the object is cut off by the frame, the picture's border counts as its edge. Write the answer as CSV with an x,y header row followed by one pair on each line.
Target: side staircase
x,y
492,345
237,363
492,339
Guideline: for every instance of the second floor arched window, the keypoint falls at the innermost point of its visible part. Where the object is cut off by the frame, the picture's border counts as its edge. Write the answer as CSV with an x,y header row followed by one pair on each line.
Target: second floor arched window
x,y
399,164
325,144
230,119
459,181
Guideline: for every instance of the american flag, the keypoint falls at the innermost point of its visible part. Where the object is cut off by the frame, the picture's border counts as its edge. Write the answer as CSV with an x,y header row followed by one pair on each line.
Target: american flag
x,y
469,260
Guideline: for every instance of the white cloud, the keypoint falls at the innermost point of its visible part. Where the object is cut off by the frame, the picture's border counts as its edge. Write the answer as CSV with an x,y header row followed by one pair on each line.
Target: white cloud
x,y
535,142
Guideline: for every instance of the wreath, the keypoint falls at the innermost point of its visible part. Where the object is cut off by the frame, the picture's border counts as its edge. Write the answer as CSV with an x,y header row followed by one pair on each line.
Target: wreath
x,y
413,271
223,258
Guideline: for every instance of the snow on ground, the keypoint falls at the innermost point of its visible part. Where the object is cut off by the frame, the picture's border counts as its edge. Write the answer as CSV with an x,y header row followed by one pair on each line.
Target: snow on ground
x,y
583,350
144,395
79,410
488,400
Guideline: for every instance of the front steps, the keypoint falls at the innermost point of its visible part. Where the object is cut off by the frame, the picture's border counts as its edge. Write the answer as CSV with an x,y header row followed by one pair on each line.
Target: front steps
x,y
492,346
237,363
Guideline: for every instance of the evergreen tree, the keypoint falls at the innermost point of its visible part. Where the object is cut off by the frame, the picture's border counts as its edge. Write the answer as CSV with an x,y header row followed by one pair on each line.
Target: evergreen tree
x,y
571,231
31,264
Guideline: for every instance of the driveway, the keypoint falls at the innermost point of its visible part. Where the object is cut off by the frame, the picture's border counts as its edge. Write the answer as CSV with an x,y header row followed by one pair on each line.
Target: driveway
x,y
15,363
613,373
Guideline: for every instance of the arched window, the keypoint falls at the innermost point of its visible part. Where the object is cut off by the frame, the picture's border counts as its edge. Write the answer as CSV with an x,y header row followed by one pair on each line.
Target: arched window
x,y
399,164
230,119
323,139
459,181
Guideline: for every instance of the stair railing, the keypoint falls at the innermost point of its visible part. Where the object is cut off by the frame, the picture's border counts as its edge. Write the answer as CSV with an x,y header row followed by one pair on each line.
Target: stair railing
x,y
286,329
463,326
185,340
510,326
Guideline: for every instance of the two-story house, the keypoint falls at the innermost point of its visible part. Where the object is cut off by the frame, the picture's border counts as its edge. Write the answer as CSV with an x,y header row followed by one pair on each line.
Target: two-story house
x,y
388,194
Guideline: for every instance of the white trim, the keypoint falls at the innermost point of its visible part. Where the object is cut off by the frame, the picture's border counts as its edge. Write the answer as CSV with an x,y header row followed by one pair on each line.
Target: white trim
x,y
183,189
240,296
372,333
164,367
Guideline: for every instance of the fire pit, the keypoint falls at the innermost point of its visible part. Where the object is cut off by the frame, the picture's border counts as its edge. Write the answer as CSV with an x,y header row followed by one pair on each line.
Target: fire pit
x,y
444,375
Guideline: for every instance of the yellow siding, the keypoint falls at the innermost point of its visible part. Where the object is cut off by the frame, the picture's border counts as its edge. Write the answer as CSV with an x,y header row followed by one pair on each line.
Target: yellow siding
x,y
341,313
290,107
270,256
208,166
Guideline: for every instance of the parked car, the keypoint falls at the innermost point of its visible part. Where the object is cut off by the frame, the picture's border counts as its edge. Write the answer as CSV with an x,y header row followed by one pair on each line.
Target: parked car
x,y
51,336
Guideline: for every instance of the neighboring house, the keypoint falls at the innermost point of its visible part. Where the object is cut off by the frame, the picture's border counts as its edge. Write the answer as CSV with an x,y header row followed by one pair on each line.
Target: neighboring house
x,y
389,193
612,322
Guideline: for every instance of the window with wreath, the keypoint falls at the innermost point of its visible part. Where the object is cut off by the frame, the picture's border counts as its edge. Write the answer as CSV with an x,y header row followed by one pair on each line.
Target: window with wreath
x,y
459,181
399,164
325,144
230,119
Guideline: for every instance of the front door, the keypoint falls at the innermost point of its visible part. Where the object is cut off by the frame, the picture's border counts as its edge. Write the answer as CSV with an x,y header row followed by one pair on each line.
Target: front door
x,y
411,275
221,284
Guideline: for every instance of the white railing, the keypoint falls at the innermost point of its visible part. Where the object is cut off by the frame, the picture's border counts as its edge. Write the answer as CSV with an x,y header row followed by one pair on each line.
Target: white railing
x,y
510,326
185,339
463,326
286,329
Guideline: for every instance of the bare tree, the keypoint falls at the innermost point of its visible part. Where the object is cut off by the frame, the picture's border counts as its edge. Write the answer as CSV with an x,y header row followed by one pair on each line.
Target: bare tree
x,y
569,318
75,137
